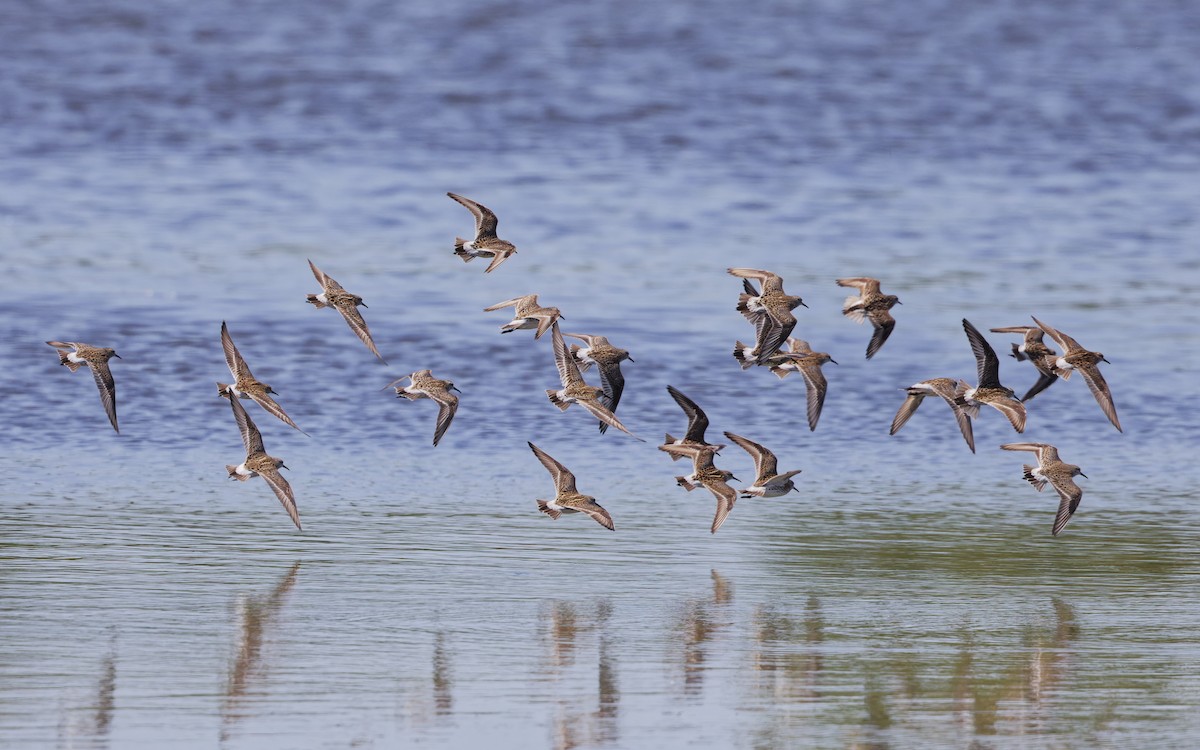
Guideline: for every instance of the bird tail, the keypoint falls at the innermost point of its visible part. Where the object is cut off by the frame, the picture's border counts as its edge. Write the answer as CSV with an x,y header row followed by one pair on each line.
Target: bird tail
x,y
313,299
64,360
460,251
780,372
684,483
1038,484
544,507
669,441
743,299
1018,354
223,390
233,473
554,399
741,353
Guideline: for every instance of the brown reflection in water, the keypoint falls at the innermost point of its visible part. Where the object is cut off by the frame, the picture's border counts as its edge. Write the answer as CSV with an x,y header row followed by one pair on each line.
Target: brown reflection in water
x,y
696,626
443,696
575,723
95,728
258,614
787,673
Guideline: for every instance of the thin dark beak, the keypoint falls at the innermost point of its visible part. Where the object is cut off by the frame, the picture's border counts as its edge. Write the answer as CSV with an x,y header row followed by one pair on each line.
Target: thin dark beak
x,y
734,478
364,304
631,359
118,356
284,466
831,359
455,388
1085,476
795,488
802,304
1102,359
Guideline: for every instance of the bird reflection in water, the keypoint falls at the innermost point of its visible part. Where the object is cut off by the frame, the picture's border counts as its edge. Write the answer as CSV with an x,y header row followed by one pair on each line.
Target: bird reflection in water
x,y
258,615
443,696
575,722
789,673
94,725
700,620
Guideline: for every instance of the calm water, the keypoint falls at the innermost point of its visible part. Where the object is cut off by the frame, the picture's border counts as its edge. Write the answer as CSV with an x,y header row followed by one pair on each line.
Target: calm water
x,y
166,168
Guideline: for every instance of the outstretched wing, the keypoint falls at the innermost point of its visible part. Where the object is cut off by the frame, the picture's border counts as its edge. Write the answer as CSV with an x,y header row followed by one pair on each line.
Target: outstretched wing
x,y
726,497
1099,387
447,406
251,437
884,323
485,220
233,358
986,361
283,491
108,390
564,480
354,319
765,463
697,419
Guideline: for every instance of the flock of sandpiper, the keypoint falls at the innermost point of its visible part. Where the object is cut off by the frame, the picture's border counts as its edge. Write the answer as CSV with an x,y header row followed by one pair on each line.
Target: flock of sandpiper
x,y
767,307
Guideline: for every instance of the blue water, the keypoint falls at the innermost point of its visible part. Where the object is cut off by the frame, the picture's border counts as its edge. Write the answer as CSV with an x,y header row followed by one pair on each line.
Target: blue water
x,y
165,167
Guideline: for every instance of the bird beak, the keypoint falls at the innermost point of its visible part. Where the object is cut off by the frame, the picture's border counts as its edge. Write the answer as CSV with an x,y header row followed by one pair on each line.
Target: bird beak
x,y
364,304
630,359
1085,476
734,478
1102,359
118,356
284,466
795,488
455,388
831,359
802,304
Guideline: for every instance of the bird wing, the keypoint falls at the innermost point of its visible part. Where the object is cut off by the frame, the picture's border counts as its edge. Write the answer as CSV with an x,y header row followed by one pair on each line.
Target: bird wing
x,y
986,361
1099,387
726,497
1069,495
568,368
108,390
327,283
765,463
499,257
865,285
606,416
951,395
769,281
251,437
485,220
447,406
1068,344
233,358
508,303
354,319
1014,410
814,378
598,513
564,480
884,323
283,491
265,401
697,419
907,409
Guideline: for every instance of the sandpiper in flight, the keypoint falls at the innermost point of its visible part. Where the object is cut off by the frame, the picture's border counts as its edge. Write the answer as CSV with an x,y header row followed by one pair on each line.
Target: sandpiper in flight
x,y
527,314
424,385
566,498
486,244
770,310
768,481
989,390
870,304
1032,348
799,357
574,390
96,358
244,383
333,295
950,391
1051,470
1077,359
704,474
259,464
607,358
697,425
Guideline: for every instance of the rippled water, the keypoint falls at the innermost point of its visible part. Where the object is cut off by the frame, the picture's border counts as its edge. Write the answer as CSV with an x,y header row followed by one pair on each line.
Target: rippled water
x,y
166,168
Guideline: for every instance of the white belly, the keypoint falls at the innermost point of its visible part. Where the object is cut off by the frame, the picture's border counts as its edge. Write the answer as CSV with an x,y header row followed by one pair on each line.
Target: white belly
x,y
244,472
73,357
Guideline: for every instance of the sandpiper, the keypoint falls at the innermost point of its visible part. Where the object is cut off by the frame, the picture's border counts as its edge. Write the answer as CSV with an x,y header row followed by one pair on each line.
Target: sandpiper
x,y
575,390
423,385
1036,351
950,391
566,498
95,357
1086,363
528,314
259,464
1051,470
486,244
769,310
244,383
989,390
704,474
800,358
697,425
607,358
333,295
870,304
768,481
